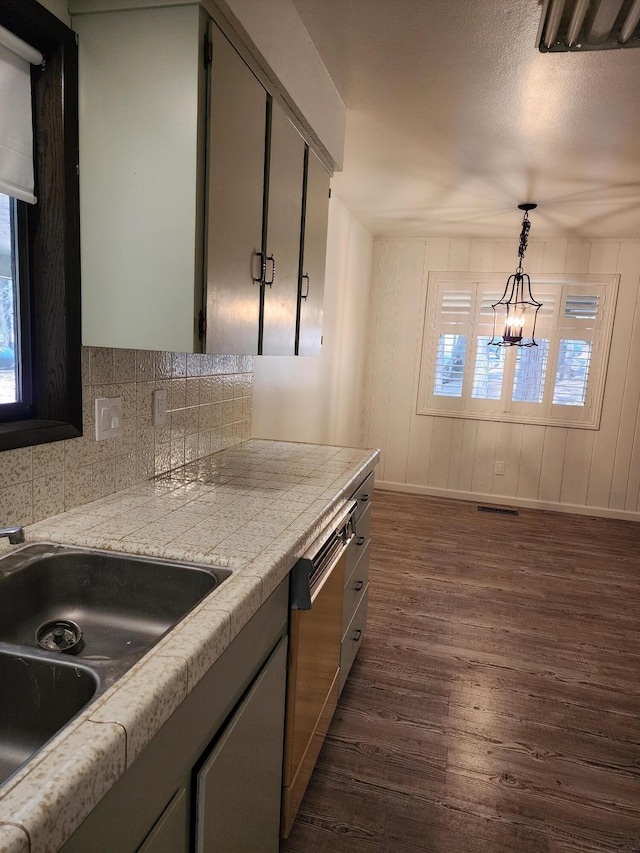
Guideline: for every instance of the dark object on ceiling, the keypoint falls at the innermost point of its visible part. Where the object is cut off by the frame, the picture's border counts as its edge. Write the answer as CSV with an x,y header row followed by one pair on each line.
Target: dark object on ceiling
x,y
581,25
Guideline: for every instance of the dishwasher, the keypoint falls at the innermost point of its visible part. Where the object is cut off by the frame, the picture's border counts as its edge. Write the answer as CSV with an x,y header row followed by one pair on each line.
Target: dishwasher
x,y
315,633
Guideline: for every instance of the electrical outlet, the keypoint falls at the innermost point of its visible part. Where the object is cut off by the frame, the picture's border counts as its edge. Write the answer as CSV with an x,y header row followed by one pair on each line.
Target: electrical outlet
x,y
499,468
108,417
160,407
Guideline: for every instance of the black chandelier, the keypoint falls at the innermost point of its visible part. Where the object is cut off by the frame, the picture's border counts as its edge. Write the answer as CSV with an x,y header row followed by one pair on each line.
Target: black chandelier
x,y
516,311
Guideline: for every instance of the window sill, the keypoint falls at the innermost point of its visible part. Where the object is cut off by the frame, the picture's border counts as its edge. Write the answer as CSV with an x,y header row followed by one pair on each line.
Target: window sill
x,y
25,433
510,418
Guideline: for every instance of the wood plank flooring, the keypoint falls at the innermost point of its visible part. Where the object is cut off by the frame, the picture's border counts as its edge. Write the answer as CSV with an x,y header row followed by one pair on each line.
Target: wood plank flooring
x,y
495,703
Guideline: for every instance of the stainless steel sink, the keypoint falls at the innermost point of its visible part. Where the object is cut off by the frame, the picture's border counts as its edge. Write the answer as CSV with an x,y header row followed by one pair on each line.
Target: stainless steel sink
x,y
38,698
122,606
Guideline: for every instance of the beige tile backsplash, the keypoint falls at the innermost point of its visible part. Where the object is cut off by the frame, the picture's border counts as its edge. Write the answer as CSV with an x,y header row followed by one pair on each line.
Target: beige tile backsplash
x,y
209,409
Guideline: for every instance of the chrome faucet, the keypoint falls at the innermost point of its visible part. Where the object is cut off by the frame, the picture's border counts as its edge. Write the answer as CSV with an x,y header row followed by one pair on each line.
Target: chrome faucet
x,y
15,535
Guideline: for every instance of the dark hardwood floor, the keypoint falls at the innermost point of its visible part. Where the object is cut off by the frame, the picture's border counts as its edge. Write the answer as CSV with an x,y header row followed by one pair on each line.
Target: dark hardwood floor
x,y
495,703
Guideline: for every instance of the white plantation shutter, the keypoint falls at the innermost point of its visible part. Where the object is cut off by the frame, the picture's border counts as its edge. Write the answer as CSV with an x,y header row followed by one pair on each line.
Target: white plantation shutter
x,y
451,324
560,381
487,384
579,345
572,372
16,123
530,373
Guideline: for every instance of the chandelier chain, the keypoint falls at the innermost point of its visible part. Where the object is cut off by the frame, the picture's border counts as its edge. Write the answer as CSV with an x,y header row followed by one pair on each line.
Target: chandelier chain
x,y
524,238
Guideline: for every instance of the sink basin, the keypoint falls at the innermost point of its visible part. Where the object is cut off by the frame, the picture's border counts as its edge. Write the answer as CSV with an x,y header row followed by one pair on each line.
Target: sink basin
x,y
38,698
121,604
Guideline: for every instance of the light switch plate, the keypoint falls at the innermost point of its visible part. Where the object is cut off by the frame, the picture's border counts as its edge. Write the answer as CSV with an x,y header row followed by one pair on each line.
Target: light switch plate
x,y
108,417
160,407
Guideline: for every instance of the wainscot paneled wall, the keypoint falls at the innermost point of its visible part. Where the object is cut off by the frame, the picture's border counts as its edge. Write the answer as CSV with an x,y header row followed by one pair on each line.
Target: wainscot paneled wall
x,y
209,409
576,470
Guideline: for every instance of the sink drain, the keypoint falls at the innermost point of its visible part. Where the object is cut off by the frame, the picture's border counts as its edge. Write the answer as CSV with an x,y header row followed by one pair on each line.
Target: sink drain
x,y
60,635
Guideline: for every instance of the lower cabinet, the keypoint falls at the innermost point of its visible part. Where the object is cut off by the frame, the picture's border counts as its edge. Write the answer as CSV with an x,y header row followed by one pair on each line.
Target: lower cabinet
x,y
238,785
169,833
210,780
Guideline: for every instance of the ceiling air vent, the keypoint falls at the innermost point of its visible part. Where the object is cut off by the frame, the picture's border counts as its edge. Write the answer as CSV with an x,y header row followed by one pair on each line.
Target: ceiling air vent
x,y
589,25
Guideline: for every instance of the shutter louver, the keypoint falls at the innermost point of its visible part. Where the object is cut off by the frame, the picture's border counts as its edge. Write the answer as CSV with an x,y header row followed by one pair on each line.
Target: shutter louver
x,y
581,307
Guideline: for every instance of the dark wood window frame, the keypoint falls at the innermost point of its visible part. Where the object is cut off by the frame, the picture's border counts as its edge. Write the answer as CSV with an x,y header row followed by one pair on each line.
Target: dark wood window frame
x,y
52,230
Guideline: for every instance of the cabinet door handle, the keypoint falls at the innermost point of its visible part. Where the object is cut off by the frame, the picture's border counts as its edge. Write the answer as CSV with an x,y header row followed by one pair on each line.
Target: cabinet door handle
x,y
358,586
363,498
361,540
304,295
357,635
273,271
263,265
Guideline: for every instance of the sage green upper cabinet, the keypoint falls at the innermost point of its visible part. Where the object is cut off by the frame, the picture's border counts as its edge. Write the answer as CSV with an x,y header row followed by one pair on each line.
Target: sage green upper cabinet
x,y
142,147
314,250
237,134
283,223
192,188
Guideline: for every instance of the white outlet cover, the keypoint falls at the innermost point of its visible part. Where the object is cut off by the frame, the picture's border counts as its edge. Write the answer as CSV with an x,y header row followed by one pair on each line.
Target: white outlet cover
x,y
160,407
108,417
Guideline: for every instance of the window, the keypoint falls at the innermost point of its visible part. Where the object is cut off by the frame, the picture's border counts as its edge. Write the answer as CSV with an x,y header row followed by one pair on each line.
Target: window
x,y
9,331
40,374
561,381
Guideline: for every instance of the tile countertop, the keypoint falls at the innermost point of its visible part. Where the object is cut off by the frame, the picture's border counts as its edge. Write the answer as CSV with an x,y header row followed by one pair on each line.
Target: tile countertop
x,y
254,508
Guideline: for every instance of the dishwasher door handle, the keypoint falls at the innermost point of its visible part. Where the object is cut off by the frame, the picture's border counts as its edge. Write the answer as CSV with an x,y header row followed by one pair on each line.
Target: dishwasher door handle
x,y
309,574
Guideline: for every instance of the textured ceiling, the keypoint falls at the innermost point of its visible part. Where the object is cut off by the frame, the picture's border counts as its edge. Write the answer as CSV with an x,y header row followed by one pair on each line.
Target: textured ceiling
x,y
454,118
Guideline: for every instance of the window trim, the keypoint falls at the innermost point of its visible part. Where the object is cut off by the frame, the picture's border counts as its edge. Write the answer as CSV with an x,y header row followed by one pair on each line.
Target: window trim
x,y
53,228
555,417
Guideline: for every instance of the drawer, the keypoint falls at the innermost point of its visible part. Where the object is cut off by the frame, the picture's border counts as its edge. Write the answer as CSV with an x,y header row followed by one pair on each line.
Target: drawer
x,y
353,638
364,495
355,588
359,542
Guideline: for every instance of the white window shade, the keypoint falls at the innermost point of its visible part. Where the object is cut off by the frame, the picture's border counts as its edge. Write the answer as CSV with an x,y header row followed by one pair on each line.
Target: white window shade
x,y
16,124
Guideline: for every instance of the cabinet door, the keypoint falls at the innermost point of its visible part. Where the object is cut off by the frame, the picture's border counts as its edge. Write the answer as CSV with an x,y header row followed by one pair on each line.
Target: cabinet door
x,y
239,785
169,835
284,220
309,338
142,132
237,128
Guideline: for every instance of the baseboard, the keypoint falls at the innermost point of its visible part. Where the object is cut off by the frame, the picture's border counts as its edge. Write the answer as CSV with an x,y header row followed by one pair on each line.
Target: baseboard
x,y
505,500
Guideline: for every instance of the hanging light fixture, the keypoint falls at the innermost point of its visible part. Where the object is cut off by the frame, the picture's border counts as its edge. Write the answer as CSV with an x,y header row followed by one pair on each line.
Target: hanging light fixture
x,y
516,311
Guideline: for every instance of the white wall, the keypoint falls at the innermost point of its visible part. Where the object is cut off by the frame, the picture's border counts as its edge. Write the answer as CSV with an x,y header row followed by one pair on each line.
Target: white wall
x,y
319,398
578,470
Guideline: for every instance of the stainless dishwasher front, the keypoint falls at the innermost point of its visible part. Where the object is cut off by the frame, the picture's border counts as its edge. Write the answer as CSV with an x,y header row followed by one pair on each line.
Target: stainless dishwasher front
x,y
315,633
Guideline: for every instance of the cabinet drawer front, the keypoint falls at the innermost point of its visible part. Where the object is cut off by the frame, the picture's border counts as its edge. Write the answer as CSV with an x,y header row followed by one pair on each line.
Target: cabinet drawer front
x,y
364,496
359,543
355,589
353,638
